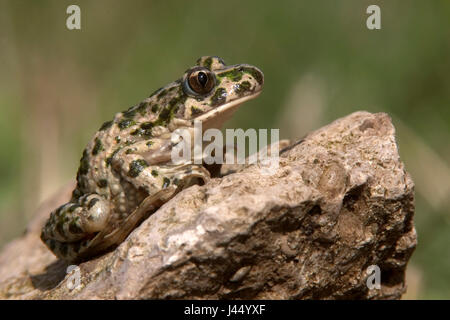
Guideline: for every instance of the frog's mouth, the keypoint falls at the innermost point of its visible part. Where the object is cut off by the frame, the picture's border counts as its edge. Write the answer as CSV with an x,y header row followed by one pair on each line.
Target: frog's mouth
x,y
216,117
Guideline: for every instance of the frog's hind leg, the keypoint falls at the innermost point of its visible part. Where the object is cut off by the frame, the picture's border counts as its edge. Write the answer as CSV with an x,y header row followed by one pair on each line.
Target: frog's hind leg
x,y
75,221
181,176
143,211
170,178
67,251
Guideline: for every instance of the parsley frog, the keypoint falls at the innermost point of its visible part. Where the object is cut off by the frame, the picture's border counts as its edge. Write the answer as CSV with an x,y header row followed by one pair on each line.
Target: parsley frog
x,y
126,172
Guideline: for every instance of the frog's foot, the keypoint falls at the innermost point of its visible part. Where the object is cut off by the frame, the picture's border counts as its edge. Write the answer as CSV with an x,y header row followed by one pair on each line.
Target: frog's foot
x,y
77,220
190,174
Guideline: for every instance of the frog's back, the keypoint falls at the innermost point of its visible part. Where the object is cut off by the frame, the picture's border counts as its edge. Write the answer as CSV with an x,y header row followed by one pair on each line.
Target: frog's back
x,y
96,172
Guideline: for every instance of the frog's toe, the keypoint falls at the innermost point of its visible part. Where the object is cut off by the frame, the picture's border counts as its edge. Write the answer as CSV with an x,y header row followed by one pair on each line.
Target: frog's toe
x,y
191,174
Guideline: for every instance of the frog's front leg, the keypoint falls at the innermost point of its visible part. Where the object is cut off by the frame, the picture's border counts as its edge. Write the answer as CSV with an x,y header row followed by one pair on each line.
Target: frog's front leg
x,y
153,178
138,165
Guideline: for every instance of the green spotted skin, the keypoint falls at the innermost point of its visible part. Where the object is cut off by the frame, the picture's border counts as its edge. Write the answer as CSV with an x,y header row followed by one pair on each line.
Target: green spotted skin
x,y
125,171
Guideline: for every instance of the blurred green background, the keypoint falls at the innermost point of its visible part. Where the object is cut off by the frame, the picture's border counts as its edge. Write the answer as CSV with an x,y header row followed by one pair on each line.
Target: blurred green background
x,y
320,62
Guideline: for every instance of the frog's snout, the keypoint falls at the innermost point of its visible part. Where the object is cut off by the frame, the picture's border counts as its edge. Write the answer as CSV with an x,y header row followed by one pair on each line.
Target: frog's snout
x,y
254,72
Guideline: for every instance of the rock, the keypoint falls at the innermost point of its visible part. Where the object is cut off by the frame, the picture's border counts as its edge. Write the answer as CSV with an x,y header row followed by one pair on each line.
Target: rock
x,y
339,202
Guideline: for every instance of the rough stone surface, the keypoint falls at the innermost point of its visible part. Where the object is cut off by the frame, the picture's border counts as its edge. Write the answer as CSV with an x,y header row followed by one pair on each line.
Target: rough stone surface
x,y
339,202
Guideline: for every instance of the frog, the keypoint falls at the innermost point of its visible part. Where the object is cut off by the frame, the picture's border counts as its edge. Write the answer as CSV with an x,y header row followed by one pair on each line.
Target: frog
x,y
126,172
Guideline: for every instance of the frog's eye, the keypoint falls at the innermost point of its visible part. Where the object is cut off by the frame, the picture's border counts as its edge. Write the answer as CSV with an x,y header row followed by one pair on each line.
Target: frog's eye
x,y
199,81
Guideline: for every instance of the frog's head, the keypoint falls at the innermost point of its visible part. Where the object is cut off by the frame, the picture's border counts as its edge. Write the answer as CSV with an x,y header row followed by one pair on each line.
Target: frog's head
x,y
214,90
